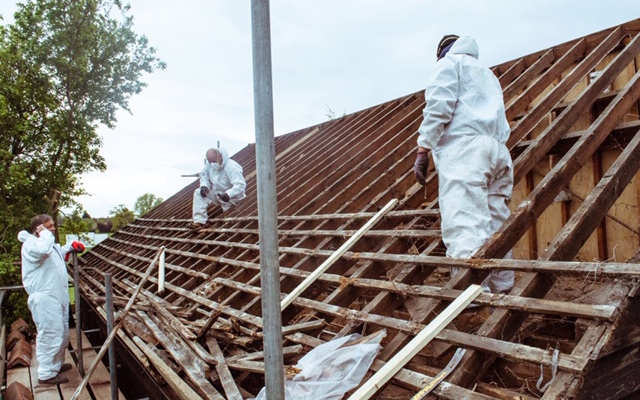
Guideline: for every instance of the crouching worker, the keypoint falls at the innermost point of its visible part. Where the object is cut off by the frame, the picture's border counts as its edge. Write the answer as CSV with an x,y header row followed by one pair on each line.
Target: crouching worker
x,y
44,276
221,183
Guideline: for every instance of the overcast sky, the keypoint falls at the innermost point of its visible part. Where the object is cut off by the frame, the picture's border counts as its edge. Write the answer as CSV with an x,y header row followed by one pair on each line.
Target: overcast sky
x,y
338,55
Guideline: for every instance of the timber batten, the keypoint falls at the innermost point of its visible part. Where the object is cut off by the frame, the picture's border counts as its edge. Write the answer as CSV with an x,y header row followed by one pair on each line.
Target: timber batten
x,y
574,113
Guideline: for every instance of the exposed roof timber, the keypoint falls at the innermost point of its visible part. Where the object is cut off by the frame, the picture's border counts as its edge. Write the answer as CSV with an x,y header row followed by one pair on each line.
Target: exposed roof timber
x,y
574,115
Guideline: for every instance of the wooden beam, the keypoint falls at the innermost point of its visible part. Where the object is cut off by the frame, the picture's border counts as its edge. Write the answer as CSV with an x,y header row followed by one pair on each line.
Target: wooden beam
x,y
534,116
336,255
564,267
488,345
535,87
179,386
226,379
193,366
518,303
550,136
370,387
544,193
588,216
307,217
514,71
116,328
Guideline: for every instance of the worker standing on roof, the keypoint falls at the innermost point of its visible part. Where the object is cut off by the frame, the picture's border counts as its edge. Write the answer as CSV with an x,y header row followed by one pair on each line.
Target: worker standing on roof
x,y
221,183
45,279
465,128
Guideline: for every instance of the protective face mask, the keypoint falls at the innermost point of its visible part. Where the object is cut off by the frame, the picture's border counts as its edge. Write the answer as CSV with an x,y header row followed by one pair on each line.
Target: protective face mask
x,y
216,166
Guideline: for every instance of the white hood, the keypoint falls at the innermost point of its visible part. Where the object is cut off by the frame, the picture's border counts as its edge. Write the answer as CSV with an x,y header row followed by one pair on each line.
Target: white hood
x,y
465,45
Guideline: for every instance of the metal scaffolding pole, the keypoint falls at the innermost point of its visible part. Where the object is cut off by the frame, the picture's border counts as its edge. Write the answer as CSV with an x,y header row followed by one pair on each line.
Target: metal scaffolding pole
x,y
76,295
108,290
267,202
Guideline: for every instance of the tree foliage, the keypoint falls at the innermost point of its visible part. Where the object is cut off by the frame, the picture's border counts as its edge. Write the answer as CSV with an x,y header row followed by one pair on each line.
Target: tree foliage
x,y
146,203
66,67
78,223
120,217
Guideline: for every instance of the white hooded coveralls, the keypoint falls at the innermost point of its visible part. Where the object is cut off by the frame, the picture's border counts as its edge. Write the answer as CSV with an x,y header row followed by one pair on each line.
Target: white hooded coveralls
x,y
226,177
466,128
44,277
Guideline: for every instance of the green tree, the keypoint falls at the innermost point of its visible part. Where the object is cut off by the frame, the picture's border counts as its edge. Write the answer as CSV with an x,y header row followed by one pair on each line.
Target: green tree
x,y
120,217
146,203
77,224
66,67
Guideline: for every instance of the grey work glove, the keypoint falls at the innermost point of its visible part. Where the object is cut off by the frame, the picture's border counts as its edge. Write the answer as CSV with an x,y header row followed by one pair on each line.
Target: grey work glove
x,y
223,196
204,191
421,166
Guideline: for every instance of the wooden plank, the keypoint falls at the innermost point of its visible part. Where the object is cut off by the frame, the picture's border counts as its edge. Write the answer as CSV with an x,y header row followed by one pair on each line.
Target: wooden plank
x,y
174,322
542,144
542,196
532,73
506,78
557,93
41,392
488,345
184,391
305,217
258,355
596,205
527,213
252,319
226,379
404,233
100,381
193,366
304,326
336,255
370,387
22,375
539,86
116,328
67,389
533,305
564,268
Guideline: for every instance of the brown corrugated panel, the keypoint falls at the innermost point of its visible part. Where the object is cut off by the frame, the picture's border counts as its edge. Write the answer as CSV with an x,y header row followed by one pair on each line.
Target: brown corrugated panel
x,y
21,326
573,109
18,391
13,338
20,354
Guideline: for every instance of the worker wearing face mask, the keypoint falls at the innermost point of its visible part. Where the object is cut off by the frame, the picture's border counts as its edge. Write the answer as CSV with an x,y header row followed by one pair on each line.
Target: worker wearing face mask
x,y
465,129
221,183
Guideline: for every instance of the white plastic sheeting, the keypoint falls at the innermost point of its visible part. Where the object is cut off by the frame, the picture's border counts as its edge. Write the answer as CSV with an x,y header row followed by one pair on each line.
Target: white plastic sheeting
x,y
332,369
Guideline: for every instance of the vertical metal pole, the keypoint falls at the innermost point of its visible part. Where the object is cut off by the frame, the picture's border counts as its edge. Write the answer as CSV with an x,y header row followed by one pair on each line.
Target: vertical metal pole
x,y
76,296
1,300
112,350
267,202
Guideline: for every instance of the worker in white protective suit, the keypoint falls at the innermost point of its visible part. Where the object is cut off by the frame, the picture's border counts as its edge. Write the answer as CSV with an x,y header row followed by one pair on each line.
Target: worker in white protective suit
x,y
221,183
465,129
45,278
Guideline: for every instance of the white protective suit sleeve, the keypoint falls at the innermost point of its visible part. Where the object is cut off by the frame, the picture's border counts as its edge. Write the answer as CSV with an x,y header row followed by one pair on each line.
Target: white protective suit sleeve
x,y
441,94
39,248
43,267
238,184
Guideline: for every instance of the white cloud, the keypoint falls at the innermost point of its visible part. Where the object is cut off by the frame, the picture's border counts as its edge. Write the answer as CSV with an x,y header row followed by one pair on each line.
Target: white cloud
x,y
345,55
